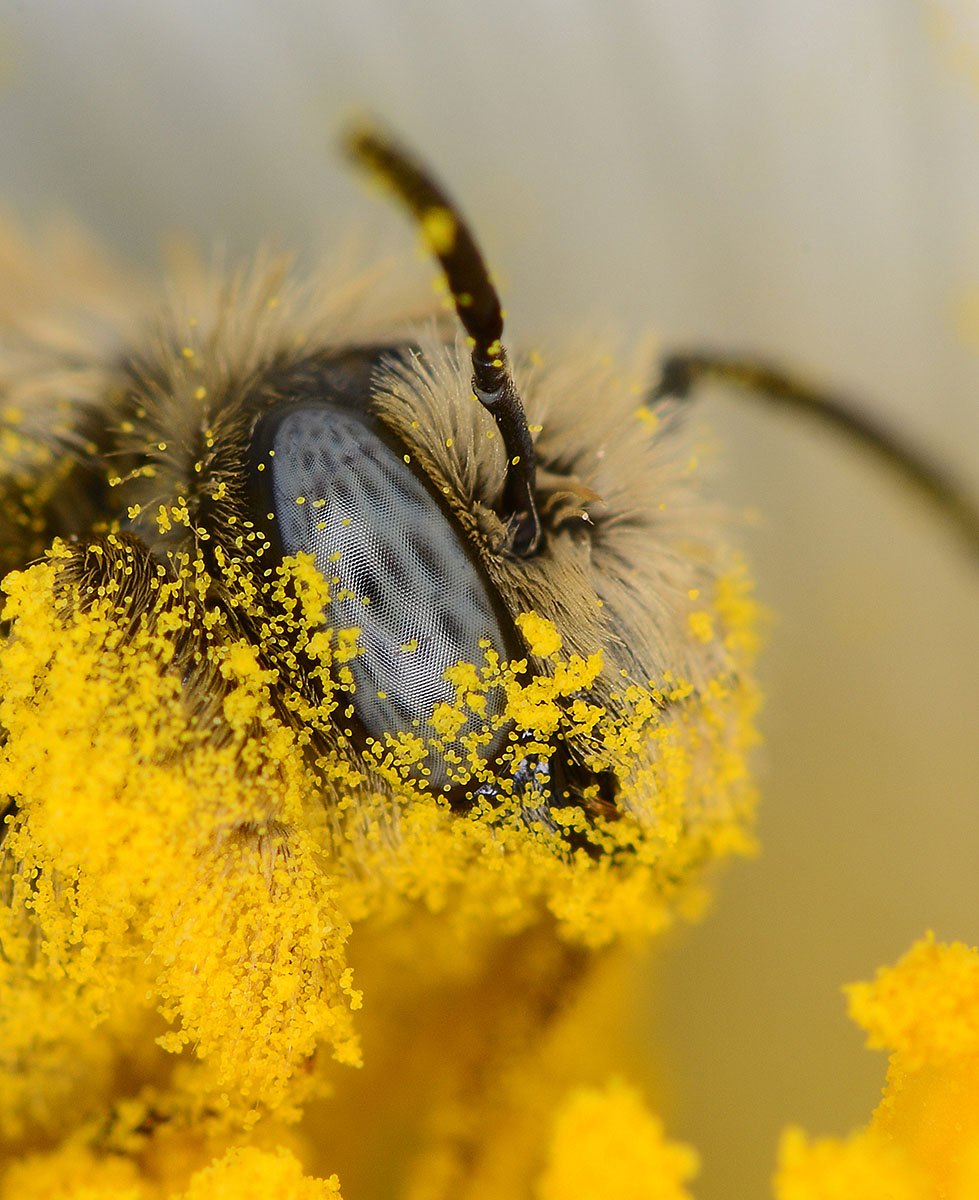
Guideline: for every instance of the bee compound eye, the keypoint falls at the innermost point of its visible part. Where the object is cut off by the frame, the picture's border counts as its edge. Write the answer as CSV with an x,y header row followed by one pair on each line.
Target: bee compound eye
x,y
398,570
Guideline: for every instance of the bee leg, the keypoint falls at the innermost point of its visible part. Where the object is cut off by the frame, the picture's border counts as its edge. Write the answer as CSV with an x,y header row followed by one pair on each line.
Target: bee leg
x,y
681,373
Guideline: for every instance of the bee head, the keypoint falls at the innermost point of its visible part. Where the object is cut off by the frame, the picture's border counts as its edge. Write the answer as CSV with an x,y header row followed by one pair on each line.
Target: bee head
x,y
269,428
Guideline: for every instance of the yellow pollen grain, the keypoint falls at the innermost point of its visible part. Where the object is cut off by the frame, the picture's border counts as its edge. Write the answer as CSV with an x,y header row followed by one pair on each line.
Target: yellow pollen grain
x,y
439,229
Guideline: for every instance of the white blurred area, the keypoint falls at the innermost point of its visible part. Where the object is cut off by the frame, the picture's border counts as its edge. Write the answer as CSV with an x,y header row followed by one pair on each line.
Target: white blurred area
x,y
785,176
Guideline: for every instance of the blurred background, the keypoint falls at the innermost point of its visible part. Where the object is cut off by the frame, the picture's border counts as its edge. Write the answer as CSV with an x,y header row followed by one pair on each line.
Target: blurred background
x,y
784,176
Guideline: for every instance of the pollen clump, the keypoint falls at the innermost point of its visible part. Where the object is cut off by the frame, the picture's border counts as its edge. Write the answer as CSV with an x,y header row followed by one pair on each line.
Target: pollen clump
x,y
144,872
701,626
924,1010
252,1174
923,1140
242,1173
542,637
829,1169
606,1145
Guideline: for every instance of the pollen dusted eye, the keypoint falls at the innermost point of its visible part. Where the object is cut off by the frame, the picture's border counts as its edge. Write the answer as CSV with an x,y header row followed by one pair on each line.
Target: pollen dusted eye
x,y
399,570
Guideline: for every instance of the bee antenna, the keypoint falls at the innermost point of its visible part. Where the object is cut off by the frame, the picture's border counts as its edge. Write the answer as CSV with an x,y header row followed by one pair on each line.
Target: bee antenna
x,y
681,373
478,306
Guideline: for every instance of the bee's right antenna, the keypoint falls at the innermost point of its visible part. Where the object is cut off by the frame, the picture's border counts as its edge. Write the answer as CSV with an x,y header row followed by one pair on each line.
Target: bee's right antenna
x,y
478,306
682,372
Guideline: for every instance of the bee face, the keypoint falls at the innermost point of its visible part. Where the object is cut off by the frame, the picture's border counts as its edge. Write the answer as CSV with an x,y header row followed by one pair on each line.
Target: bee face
x,y
488,584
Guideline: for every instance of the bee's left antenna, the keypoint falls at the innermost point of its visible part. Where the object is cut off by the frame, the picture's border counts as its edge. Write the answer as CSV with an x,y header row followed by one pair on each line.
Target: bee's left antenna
x,y
681,373
478,306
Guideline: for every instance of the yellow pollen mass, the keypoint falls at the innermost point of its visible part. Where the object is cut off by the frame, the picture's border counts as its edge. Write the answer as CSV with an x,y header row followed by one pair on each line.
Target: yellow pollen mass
x,y
542,637
606,1145
200,840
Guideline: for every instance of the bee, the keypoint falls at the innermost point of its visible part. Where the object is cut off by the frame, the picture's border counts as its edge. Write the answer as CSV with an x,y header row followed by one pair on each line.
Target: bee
x,y
337,613
358,577
442,502
444,496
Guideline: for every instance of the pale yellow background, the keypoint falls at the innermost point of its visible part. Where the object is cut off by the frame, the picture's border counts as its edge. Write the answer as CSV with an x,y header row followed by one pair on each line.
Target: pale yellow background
x,y
784,175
